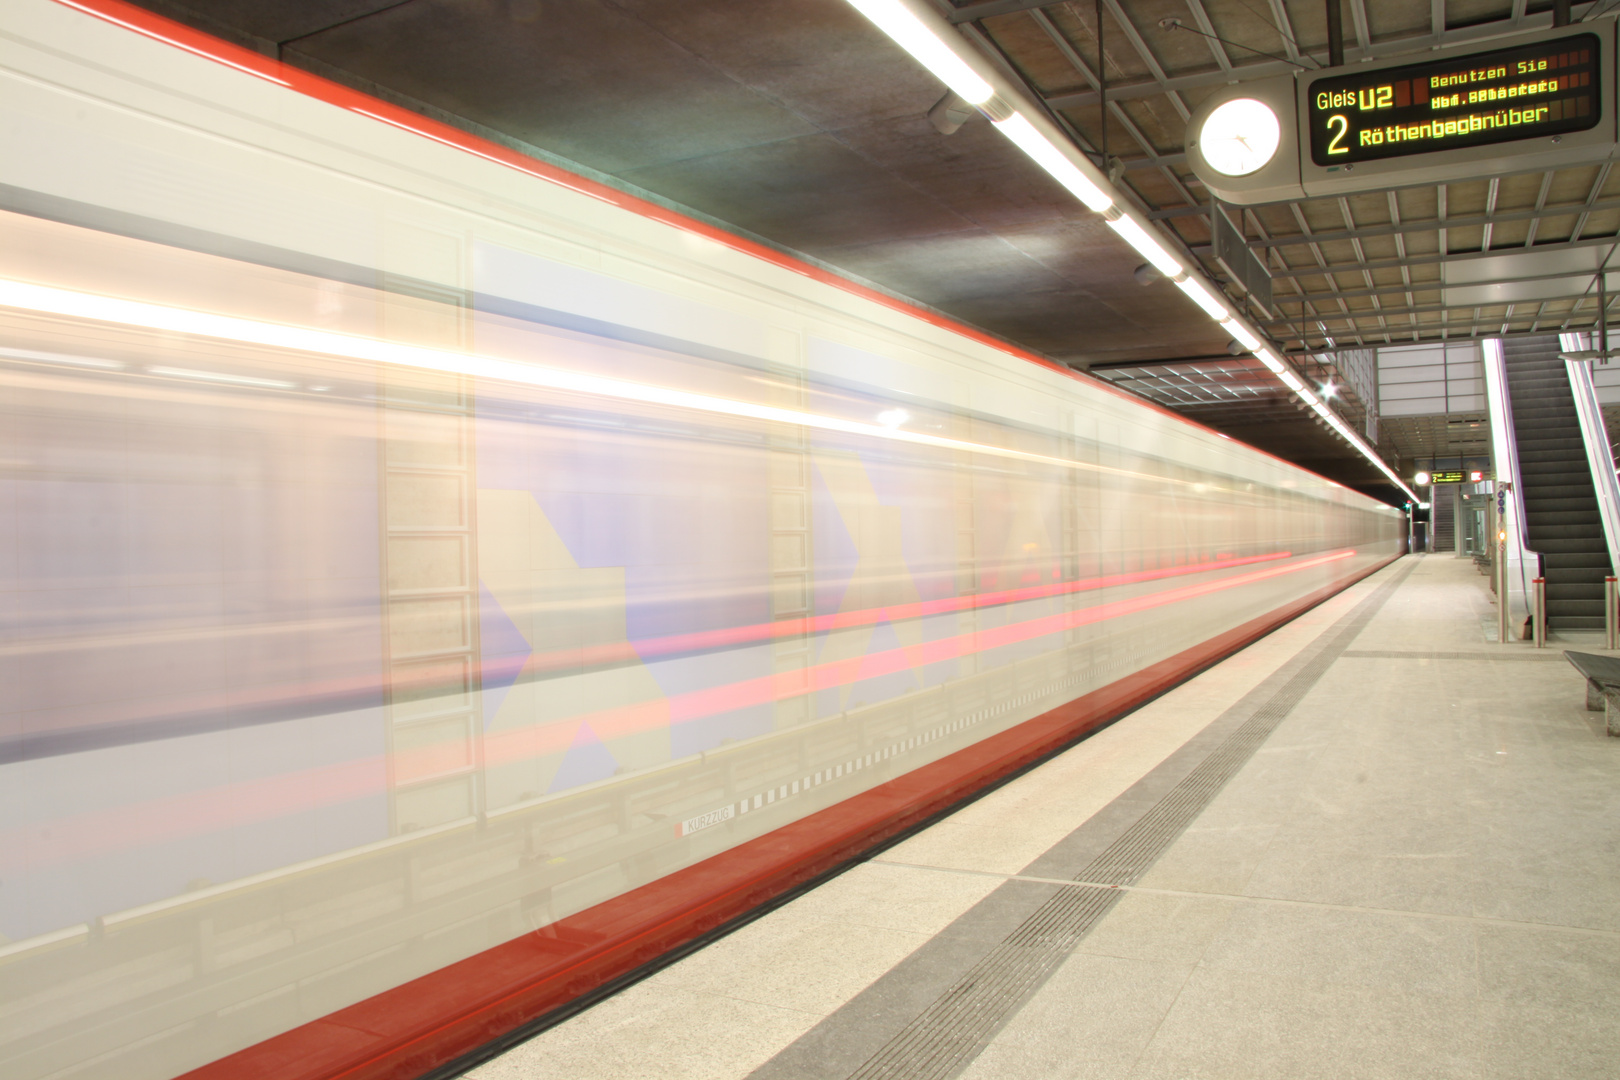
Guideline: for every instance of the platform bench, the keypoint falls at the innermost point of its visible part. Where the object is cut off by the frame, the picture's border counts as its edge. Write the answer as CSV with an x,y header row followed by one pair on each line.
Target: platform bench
x,y
1602,685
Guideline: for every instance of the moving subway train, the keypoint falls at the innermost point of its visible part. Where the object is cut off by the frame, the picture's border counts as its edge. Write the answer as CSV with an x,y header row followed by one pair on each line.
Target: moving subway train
x,y
436,584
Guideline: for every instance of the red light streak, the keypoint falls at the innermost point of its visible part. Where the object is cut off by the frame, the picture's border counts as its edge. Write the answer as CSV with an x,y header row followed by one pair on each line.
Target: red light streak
x,y
228,806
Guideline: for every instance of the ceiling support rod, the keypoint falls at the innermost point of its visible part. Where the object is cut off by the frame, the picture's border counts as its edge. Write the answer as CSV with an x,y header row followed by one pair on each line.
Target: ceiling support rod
x,y
1102,87
1335,31
1603,317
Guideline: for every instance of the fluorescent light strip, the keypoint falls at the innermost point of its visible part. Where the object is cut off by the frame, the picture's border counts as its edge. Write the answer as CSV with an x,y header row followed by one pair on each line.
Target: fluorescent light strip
x,y
148,316
907,31
914,33
1200,295
1155,253
1245,337
1049,157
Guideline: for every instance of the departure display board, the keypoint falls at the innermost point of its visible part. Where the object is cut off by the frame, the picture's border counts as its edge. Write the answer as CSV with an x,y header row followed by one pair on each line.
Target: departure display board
x,y
1528,91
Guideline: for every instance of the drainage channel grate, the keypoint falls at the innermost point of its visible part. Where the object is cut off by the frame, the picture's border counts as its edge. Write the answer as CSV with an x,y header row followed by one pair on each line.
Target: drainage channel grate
x,y
1130,856
949,1032
959,1023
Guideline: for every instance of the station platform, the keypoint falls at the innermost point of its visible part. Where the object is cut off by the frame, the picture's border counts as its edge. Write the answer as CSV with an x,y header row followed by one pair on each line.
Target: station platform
x,y
1372,844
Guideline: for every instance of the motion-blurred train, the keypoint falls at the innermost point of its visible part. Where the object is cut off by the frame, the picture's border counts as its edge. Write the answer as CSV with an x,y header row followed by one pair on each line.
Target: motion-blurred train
x,y
435,584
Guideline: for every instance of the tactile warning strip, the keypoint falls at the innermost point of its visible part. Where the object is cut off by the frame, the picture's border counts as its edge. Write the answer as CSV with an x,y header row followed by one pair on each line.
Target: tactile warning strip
x,y
952,1030
1509,653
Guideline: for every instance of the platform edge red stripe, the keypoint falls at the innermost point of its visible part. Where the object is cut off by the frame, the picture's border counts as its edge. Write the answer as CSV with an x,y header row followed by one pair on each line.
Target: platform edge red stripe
x,y
466,1013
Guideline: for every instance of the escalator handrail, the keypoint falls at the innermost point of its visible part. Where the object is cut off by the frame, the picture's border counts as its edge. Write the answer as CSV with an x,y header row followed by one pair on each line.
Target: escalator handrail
x,y
1599,456
1507,449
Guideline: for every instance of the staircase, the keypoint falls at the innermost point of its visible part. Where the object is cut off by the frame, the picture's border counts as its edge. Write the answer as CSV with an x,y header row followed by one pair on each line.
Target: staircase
x,y
1561,511
1443,518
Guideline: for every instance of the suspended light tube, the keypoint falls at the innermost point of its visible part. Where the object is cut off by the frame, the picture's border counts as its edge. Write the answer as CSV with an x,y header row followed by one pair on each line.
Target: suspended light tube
x,y
920,31
907,31
1201,295
1244,335
1044,153
1150,249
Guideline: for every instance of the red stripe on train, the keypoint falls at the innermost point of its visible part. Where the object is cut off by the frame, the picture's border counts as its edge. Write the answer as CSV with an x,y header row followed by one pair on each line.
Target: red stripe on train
x,y
249,62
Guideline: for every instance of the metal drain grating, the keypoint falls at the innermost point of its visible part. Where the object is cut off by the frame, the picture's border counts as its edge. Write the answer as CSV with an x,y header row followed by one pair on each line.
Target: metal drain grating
x,y
949,1032
1129,857
952,1030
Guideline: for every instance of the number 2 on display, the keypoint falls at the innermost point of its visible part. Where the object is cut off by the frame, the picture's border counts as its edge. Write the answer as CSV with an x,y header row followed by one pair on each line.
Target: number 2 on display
x,y
1337,120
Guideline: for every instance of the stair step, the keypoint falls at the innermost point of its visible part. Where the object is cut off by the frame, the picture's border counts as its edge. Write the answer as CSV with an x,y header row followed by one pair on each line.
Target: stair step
x,y
1574,622
1586,562
1592,581
1544,423
1573,592
1559,491
1552,527
1543,454
1569,504
1534,505
1565,545
1540,426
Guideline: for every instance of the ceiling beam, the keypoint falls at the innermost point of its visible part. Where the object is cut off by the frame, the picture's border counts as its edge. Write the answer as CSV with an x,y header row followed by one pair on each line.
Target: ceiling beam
x,y
1243,362
1431,224
1441,286
1493,327
1430,260
1381,50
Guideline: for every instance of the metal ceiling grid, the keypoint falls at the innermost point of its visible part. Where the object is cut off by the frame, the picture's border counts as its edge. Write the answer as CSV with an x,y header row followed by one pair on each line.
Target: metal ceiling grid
x,y
1359,270
1422,438
1233,392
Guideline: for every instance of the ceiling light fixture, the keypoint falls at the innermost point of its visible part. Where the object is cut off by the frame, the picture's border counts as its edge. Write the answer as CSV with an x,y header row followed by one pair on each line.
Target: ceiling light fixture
x,y
1245,336
1046,154
907,31
1150,249
1242,140
1201,295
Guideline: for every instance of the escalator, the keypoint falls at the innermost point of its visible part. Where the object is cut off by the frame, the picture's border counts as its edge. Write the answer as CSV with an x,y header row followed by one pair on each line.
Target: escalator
x,y
1562,520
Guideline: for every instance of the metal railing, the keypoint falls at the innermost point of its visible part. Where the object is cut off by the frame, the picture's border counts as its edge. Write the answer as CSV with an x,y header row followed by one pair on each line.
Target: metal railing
x,y
1598,455
1513,541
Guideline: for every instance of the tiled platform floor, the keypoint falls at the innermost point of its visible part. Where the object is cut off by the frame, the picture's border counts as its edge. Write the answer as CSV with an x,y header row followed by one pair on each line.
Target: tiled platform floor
x,y
1416,875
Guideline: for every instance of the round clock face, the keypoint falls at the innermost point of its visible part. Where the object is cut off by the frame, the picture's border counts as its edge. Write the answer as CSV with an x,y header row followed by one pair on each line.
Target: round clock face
x,y
1239,137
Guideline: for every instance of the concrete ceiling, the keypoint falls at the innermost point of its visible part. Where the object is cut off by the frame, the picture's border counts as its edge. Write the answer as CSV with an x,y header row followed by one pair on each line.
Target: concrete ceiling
x,y
794,120
798,122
